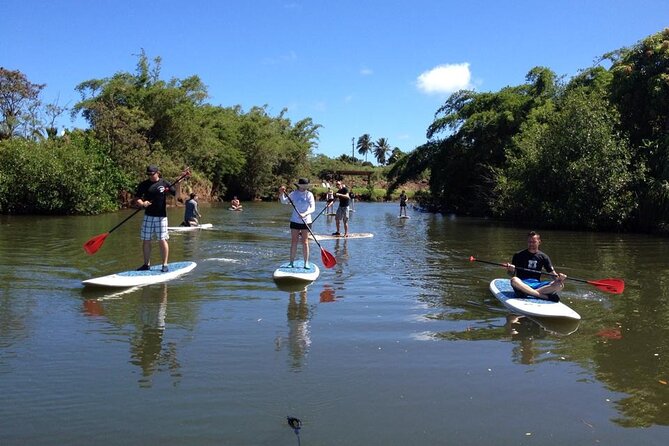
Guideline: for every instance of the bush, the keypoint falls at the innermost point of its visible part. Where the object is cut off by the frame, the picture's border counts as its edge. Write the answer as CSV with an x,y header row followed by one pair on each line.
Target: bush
x,y
70,175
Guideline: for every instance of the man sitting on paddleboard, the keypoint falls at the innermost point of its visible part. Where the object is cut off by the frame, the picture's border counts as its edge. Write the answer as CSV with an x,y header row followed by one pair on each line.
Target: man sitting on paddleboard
x,y
528,283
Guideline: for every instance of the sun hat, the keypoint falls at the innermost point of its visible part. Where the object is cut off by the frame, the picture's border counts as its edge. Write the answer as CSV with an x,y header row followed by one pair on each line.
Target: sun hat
x,y
303,183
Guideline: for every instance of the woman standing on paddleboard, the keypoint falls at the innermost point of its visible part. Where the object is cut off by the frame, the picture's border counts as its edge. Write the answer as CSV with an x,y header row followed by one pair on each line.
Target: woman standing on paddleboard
x,y
304,205
526,280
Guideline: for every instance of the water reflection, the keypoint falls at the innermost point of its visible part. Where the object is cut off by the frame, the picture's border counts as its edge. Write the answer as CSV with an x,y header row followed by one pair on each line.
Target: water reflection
x,y
148,349
298,316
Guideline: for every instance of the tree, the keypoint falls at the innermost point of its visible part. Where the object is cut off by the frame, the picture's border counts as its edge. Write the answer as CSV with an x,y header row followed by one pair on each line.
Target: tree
x,y
573,170
381,150
19,100
364,145
395,155
640,89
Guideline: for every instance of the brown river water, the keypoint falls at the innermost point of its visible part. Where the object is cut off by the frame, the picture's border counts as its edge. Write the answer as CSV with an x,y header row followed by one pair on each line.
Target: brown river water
x,y
400,343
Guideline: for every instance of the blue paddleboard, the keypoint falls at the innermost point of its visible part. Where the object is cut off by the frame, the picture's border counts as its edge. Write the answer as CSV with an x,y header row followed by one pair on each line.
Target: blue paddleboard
x,y
127,279
296,273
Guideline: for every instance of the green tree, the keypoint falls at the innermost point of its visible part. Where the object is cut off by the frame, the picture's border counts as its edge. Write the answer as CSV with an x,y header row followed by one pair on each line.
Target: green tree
x,y
364,145
19,101
640,89
381,150
573,170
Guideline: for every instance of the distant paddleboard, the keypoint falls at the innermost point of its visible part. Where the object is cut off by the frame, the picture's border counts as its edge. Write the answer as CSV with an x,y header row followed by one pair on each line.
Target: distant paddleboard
x,y
350,235
235,209
296,273
404,216
190,228
538,308
127,279
331,214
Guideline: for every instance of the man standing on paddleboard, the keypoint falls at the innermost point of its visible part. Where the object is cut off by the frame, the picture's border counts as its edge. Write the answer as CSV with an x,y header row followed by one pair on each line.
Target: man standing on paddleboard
x,y
342,210
526,280
151,195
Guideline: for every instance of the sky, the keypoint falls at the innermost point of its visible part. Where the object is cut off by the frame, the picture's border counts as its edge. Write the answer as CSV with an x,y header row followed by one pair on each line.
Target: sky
x,y
352,66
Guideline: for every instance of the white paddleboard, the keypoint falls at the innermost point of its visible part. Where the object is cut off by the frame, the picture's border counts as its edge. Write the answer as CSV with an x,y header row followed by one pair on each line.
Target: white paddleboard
x,y
502,290
134,278
404,216
296,273
190,228
350,235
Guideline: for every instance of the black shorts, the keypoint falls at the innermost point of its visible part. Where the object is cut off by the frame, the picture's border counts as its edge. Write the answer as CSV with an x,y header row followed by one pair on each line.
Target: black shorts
x,y
294,225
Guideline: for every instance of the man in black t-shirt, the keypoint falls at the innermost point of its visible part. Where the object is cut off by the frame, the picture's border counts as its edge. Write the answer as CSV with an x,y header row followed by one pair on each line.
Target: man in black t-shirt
x,y
342,210
151,195
526,280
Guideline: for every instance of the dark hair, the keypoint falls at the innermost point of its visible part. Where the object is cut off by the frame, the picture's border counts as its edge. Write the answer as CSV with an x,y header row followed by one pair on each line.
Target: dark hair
x,y
532,234
193,195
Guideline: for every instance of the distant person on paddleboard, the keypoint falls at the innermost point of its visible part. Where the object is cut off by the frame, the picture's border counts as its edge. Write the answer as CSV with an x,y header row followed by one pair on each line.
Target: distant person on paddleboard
x,y
342,210
403,203
151,196
192,214
329,198
235,204
305,204
529,283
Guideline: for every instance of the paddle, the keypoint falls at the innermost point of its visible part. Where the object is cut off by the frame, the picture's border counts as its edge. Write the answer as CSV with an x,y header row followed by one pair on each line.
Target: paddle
x,y
327,258
95,243
613,286
321,212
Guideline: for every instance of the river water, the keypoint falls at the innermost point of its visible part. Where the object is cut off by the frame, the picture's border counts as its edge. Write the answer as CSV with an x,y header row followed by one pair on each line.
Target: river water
x,y
400,343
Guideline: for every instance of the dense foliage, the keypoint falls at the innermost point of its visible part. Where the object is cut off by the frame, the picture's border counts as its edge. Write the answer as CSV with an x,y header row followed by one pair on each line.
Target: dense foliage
x,y
589,153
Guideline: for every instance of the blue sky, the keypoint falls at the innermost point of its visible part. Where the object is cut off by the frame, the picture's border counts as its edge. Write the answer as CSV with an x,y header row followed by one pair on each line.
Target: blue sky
x,y
354,67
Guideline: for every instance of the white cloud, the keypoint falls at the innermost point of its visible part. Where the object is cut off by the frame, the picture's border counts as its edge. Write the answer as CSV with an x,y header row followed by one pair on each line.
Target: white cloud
x,y
366,71
447,78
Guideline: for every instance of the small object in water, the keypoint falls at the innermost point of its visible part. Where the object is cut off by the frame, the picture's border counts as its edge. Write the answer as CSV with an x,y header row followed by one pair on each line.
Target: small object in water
x,y
295,423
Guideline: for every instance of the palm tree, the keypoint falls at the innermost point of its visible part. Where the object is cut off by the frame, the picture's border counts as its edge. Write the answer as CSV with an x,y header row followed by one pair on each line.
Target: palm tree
x,y
381,150
364,145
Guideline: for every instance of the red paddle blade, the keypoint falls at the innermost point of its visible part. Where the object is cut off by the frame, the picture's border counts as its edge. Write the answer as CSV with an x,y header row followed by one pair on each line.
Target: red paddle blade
x,y
328,259
92,246
613,286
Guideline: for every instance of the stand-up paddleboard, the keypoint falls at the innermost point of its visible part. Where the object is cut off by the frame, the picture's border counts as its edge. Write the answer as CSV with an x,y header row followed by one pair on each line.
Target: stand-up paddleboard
x,y
235,209
331,214
502,290
133,278
296,273
350,235
403,216
190,228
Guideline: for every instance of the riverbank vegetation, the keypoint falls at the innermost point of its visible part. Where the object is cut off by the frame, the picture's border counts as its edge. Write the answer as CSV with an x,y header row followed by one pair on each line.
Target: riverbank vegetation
x,y
589,152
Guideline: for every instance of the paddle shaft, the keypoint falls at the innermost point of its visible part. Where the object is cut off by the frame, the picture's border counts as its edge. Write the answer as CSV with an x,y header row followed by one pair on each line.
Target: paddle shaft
x,y
505,265
139,209
302,218
320,213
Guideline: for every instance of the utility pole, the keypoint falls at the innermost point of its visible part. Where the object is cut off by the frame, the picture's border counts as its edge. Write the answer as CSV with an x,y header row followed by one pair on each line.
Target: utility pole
x,y
353,147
